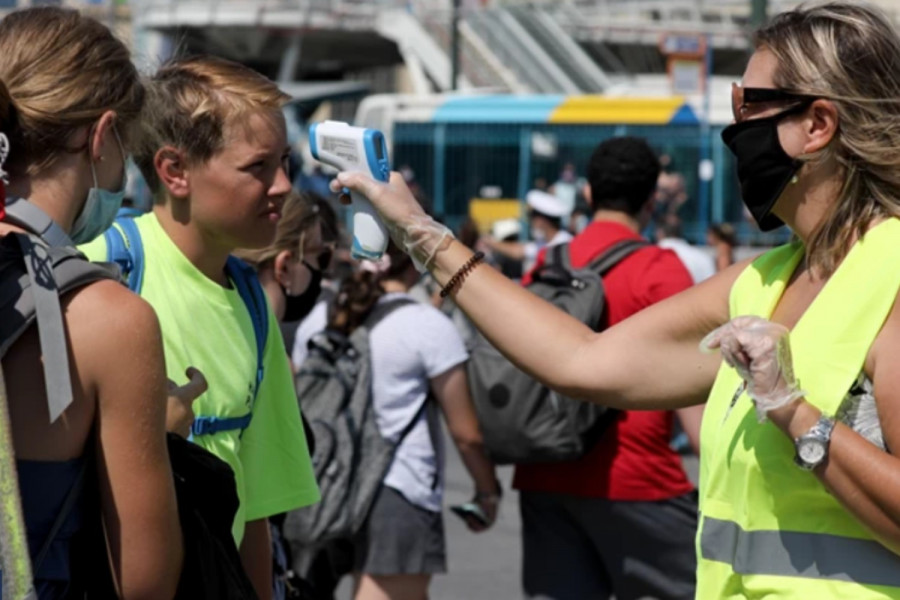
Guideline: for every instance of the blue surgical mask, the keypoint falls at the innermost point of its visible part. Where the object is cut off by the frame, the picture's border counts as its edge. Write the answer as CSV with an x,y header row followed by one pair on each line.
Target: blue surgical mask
x,y
100,208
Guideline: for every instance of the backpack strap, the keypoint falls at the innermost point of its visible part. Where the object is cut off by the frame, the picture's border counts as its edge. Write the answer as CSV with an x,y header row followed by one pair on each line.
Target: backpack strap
x,y
247,284
376,316
409,426
383,309
558,254
125,248
51,330
616,254
26,214
48,273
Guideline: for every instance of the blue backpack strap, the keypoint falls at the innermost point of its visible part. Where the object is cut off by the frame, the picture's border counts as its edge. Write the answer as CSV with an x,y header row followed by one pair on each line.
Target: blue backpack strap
x,y
125,248
129,212
247,284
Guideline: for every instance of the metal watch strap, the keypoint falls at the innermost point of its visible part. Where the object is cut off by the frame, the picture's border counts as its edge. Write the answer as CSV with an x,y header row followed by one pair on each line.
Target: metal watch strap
x,y
820,431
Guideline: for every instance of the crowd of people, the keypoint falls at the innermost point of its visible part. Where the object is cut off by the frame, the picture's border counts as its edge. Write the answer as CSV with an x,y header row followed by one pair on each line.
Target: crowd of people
x,y
158,444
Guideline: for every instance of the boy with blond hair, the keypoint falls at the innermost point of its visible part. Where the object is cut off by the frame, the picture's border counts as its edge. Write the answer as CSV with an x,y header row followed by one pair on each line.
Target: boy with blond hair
x,y
213,150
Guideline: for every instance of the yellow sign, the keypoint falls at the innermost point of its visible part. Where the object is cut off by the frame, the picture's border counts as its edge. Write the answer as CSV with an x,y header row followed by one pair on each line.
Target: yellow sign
x,y
485,211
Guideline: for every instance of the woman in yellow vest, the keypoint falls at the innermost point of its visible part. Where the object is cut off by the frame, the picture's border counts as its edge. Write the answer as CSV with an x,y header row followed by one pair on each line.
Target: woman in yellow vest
x,y
800,492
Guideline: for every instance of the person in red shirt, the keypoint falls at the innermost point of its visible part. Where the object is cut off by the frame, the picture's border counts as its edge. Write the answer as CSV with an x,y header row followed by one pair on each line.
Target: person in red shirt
x,y
621,520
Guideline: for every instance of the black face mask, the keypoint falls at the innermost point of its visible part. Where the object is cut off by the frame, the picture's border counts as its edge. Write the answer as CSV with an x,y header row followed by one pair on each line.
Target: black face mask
x,y
764,169
297,307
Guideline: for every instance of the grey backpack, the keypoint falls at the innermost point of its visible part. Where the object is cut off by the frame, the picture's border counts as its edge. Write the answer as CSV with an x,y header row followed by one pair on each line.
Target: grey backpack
x,y
522,420
351,458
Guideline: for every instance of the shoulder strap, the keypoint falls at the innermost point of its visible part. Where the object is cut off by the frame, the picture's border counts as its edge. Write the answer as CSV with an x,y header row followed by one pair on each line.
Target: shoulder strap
x,y
558,255
247,284
383,310
375,317
51,330
412,423
616,254
125,248
25,214
49,272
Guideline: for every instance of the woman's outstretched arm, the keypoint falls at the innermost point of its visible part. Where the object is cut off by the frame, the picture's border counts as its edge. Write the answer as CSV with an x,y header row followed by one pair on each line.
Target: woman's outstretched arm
x,y
649,361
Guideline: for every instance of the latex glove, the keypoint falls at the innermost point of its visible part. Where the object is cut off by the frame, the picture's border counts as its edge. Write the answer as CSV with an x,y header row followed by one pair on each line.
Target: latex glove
x,y
179,410
760,352
412,230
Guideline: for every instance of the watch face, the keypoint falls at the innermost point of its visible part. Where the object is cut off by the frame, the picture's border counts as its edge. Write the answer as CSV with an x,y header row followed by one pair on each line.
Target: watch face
x,y
811,451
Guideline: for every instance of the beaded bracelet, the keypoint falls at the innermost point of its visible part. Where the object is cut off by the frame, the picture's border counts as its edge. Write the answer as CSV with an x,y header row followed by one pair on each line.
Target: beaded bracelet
x,y
462,273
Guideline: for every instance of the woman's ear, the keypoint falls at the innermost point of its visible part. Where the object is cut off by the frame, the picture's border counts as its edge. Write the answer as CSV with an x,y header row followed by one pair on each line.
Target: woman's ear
x,y
97,134
282,265
821,125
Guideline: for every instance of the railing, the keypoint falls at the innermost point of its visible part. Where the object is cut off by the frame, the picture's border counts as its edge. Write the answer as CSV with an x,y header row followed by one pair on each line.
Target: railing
x,y
355,14
562,49
475,63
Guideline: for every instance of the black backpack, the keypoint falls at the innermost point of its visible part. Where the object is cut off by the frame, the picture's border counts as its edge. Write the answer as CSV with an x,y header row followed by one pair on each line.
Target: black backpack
x,y
33,275
522,420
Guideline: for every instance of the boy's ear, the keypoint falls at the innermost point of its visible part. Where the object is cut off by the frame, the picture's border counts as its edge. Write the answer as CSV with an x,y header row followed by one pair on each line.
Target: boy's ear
x,y
171,168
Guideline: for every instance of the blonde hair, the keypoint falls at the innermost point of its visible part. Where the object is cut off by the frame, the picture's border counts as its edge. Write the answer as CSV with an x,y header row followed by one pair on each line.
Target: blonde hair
x,y
190,101
63,71
299,214
849,54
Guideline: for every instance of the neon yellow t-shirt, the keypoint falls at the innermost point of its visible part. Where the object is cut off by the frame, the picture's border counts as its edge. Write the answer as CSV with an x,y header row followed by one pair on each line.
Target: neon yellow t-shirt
x,y
208,326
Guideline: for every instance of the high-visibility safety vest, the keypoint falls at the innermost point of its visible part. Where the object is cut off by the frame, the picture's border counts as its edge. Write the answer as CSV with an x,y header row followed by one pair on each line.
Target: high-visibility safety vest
x,y
769,529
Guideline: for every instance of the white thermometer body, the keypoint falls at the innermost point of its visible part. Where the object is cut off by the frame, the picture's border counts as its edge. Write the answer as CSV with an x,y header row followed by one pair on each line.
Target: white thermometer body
x,y
350,148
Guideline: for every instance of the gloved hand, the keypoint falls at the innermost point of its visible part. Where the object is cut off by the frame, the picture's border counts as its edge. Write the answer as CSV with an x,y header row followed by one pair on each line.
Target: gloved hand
x,y
760,352
412,230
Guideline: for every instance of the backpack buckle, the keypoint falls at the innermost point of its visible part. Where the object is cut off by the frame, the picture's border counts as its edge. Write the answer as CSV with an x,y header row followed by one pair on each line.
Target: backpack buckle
x,y
204,425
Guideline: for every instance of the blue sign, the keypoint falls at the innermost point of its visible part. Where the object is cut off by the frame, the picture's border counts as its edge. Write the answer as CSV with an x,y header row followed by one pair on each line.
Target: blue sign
x,y
683,44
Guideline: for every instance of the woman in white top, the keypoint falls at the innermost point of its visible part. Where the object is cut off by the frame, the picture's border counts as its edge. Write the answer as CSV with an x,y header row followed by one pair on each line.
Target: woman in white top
x,y
416,353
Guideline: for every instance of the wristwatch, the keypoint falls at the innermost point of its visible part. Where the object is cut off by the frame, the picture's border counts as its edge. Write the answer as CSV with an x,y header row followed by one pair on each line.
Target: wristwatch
x,y
812,447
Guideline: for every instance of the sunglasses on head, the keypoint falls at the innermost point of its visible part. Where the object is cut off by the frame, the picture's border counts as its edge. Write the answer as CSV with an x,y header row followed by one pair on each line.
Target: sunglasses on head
x,y
741,97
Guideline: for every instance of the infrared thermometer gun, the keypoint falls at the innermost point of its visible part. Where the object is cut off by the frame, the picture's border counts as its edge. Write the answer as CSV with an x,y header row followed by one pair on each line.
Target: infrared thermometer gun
x,y
356,149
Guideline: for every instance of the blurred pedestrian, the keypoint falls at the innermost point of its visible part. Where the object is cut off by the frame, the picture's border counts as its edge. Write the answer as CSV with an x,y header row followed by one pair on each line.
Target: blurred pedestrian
x,y
545,214
699,264
722,239
416,354
620,520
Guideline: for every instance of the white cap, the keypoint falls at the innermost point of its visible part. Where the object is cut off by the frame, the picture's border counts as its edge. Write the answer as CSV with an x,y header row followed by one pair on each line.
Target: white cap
x,y
546,204
504,228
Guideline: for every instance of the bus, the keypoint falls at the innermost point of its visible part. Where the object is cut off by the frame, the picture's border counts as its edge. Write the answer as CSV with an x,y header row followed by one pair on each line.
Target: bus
x,y
464,148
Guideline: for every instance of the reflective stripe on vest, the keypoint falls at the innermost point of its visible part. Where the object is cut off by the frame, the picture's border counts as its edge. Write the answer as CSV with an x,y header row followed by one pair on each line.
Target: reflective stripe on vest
x,y
798,554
